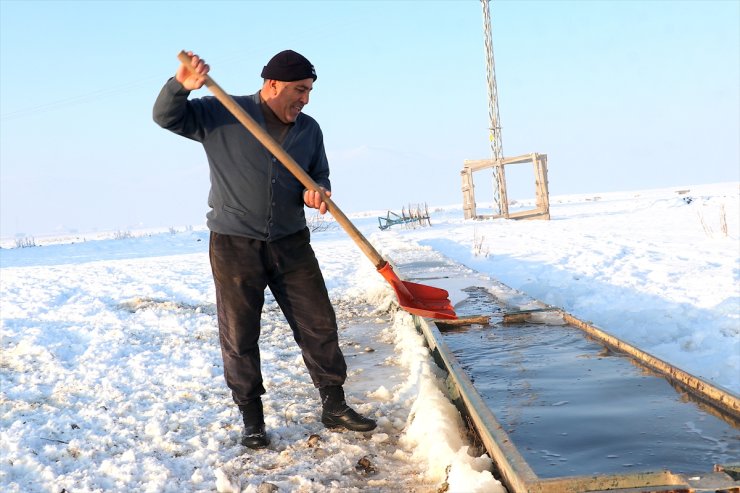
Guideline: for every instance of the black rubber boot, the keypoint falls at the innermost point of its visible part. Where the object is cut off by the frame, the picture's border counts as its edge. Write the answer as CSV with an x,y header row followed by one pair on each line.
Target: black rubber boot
x,y
337,414
254,435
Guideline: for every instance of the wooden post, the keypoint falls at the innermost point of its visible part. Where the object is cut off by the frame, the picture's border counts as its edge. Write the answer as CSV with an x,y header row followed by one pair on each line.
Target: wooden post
x,y
543,193
468,191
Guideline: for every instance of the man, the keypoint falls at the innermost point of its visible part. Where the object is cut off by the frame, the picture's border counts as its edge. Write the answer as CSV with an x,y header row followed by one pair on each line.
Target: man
x,y
258,229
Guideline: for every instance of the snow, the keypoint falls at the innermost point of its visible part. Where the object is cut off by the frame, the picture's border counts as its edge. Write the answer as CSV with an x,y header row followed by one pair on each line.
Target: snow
x,y
111,376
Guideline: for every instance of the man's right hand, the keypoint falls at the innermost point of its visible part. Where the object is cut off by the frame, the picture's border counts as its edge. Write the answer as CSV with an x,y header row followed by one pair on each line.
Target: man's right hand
x,y
192,77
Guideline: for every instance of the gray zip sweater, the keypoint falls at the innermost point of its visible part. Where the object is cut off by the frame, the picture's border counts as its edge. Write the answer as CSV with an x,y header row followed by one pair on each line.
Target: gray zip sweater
x,y
252,193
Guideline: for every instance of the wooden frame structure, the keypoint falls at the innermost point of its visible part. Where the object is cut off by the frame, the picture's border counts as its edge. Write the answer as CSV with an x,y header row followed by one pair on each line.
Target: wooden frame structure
x,y
539,162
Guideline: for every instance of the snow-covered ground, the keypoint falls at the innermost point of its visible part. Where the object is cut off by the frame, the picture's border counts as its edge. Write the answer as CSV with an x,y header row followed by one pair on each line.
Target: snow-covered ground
x,y
111,378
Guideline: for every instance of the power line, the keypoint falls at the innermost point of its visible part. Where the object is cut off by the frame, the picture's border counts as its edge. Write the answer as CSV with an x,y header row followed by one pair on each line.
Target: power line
x,y
76,100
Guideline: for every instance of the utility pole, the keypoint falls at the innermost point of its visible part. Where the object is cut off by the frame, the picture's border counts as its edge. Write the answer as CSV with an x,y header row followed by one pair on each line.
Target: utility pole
x,y
497,153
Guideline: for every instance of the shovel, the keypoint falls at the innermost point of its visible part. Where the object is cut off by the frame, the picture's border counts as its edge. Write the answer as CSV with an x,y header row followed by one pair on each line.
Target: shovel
x,y
425,301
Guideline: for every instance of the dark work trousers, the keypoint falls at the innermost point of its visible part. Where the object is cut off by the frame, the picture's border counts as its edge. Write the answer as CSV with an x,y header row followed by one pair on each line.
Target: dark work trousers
x,y
242,268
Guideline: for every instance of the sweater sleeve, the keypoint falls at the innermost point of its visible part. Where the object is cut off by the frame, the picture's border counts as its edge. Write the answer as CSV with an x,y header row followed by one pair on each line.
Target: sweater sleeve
x,y
174,112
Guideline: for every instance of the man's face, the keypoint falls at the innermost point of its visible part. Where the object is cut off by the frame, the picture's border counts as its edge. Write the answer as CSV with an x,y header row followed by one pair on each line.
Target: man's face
x,y
287,99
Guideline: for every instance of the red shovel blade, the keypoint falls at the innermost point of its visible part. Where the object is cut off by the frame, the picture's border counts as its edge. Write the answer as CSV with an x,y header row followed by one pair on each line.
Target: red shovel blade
x,y
419,299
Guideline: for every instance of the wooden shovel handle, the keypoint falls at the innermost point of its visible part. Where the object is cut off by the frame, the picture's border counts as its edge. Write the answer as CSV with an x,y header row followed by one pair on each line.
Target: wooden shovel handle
x,y
287,161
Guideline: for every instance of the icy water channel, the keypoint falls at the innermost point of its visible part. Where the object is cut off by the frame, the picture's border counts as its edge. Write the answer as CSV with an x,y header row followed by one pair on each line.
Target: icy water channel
x,y
572,407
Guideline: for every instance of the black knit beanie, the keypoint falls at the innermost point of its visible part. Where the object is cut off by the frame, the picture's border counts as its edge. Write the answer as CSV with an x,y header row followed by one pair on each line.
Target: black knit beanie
x,y
288,66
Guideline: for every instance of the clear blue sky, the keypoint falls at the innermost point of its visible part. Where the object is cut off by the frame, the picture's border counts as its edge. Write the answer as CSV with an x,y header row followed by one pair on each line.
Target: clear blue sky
x,y
620,95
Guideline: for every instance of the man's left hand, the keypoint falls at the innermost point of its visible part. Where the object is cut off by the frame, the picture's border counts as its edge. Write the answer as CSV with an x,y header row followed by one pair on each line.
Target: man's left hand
x,y
312,199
